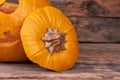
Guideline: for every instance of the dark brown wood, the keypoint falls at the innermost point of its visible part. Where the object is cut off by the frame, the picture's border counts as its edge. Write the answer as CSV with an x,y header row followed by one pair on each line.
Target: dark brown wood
x,y
95,20
96,62
97,29
101,8
89,8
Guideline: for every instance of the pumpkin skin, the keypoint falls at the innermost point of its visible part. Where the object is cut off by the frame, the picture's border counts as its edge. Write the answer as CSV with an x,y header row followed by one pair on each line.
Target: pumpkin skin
x,y
34,29
10,25
8,7
2,2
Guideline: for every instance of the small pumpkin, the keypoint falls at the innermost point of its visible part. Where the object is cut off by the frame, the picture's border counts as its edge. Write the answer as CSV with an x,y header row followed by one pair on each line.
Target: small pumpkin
x,y
11,49
49,39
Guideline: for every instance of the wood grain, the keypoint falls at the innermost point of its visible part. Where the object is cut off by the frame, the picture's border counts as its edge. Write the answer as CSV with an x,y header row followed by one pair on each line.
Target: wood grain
x,y
97,29
95,20
99,53
78,72
96,62
89,8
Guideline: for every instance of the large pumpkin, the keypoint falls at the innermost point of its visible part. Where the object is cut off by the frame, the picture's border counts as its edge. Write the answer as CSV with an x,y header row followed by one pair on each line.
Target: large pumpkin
x,y
49,39
2,2
10,24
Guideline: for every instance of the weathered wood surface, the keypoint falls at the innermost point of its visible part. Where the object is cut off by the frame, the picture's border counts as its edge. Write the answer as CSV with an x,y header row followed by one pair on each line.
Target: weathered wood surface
x,y
95,20
96,62
91,53
79,72
97,29
89,8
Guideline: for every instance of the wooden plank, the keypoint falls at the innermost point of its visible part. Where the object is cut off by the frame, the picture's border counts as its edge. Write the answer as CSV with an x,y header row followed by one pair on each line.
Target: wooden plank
x,y
78,72
92,29
89,8
97,29
96,62
99,53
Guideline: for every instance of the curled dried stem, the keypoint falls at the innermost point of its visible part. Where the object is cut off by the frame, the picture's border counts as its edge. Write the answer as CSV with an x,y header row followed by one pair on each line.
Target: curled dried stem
x,y
54,40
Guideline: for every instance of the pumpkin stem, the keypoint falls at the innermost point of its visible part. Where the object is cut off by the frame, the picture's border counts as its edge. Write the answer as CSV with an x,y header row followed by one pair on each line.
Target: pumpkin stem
x,y
54,40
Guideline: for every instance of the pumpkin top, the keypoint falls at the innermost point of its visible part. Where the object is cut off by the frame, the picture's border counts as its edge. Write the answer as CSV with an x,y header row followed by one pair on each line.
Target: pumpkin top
x,y
43,31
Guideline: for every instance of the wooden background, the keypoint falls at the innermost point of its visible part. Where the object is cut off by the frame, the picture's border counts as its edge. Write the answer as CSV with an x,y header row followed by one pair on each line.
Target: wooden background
x,y
94,20
97,23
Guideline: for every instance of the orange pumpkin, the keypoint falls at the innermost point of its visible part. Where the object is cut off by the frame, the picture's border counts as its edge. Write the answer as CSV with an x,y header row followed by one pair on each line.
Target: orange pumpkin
x,y
8,7
2,2
10,24
49,39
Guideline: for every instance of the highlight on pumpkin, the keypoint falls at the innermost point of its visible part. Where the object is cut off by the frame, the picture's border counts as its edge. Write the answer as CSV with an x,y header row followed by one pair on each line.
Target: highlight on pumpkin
x,y
2,2
50,39
8,7
11,19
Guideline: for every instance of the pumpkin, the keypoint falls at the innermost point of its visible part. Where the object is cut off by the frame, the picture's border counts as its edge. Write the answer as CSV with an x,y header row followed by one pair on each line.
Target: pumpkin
x,y
2,2
49,39
11,49
8,7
